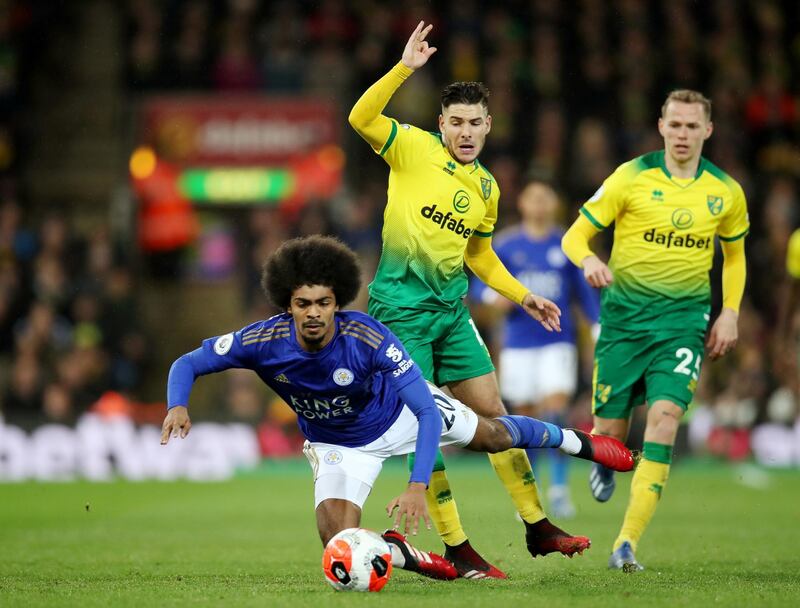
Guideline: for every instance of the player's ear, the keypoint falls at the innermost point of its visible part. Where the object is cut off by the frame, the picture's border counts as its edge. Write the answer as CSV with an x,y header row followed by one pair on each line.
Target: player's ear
x,y
441,124
709,129
488,122
661,126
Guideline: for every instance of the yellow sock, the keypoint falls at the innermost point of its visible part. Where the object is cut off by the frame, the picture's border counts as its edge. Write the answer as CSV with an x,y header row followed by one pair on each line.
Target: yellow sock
x,y
514,470
443,510
646,486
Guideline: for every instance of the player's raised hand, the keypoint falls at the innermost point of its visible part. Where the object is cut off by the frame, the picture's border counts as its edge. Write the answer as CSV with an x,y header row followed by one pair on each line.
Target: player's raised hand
x,y
410,504
417,51
176,424
544,311
597,274
724,334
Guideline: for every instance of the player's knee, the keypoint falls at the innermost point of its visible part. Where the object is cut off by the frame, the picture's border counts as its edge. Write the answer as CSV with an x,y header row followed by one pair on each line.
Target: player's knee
x,y
499,439
491,436
663,423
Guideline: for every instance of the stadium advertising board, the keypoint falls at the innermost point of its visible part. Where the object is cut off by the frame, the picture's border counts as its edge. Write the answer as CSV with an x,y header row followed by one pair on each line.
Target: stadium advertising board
x,y
214,131
243,149
101,448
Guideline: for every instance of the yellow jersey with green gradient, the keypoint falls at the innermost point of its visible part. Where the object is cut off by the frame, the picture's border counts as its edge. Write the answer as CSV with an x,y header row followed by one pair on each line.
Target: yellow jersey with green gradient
x,y
664,241
435,204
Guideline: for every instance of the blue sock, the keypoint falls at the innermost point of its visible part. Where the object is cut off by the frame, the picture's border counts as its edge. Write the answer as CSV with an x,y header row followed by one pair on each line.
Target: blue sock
x,y
531,433
559,461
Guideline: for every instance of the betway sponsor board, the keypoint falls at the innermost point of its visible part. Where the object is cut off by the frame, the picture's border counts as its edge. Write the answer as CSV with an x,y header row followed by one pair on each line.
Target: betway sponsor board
x,y
101,448
249,130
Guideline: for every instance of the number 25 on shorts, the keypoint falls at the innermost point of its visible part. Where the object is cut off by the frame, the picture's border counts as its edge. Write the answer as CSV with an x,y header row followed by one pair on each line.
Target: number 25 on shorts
x,y
685,365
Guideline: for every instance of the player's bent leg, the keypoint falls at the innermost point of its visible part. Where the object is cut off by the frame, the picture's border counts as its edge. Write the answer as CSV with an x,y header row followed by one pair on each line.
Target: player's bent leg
x,y
541,536
480,392
512,466
648,482
601,478
343,479
464,428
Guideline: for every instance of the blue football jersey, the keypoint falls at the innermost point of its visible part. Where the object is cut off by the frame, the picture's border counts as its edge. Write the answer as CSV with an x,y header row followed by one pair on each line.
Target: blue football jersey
x,y
346,393
542,267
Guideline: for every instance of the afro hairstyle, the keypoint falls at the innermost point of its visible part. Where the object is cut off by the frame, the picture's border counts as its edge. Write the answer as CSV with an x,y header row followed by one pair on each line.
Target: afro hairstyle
x,y
311,260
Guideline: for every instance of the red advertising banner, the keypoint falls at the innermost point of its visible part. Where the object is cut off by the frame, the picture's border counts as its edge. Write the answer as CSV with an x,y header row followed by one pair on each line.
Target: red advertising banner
x,y
230,131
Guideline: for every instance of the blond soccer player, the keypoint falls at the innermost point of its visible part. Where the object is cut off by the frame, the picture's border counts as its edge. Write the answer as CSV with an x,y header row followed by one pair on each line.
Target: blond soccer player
x,y
668,208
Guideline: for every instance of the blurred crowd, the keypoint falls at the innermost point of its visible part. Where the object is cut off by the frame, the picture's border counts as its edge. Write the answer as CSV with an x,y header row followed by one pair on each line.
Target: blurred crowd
x,y
69,331
576,89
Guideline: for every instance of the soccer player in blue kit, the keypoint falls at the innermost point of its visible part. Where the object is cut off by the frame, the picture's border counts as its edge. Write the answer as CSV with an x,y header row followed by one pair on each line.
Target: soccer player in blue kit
x,y
538,369
358,396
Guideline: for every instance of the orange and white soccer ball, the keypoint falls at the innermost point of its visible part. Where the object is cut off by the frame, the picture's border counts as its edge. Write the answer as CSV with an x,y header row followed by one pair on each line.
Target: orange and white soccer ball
x,y
357,560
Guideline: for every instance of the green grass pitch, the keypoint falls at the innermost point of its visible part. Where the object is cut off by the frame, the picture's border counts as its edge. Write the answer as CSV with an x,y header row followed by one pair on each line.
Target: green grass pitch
x,y
723,536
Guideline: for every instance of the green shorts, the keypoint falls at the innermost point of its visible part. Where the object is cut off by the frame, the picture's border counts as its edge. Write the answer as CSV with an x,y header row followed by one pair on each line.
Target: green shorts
x,y
445,344
631,368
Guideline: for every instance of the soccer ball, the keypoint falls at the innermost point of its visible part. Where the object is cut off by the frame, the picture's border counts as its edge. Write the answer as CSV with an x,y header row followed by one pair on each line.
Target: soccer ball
x,y
357,560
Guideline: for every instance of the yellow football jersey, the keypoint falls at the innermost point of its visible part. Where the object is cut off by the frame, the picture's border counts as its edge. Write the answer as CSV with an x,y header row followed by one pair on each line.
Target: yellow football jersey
x,y
664,240
793,255
435,204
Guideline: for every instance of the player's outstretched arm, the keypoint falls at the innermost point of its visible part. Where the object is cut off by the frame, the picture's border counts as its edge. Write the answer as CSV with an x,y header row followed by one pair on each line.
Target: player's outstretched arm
x,y
367,117
575,244
411,503
725,331
487,266
184,371
179,384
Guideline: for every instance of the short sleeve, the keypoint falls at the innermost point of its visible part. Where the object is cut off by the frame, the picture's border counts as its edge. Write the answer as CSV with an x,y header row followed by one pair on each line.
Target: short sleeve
x,y
406,145
394,362
486,227
735,222
609,200
793,255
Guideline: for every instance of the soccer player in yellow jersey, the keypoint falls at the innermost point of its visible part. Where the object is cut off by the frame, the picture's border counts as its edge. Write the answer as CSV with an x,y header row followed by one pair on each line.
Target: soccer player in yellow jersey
x,y
790,296
441,211
667,207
